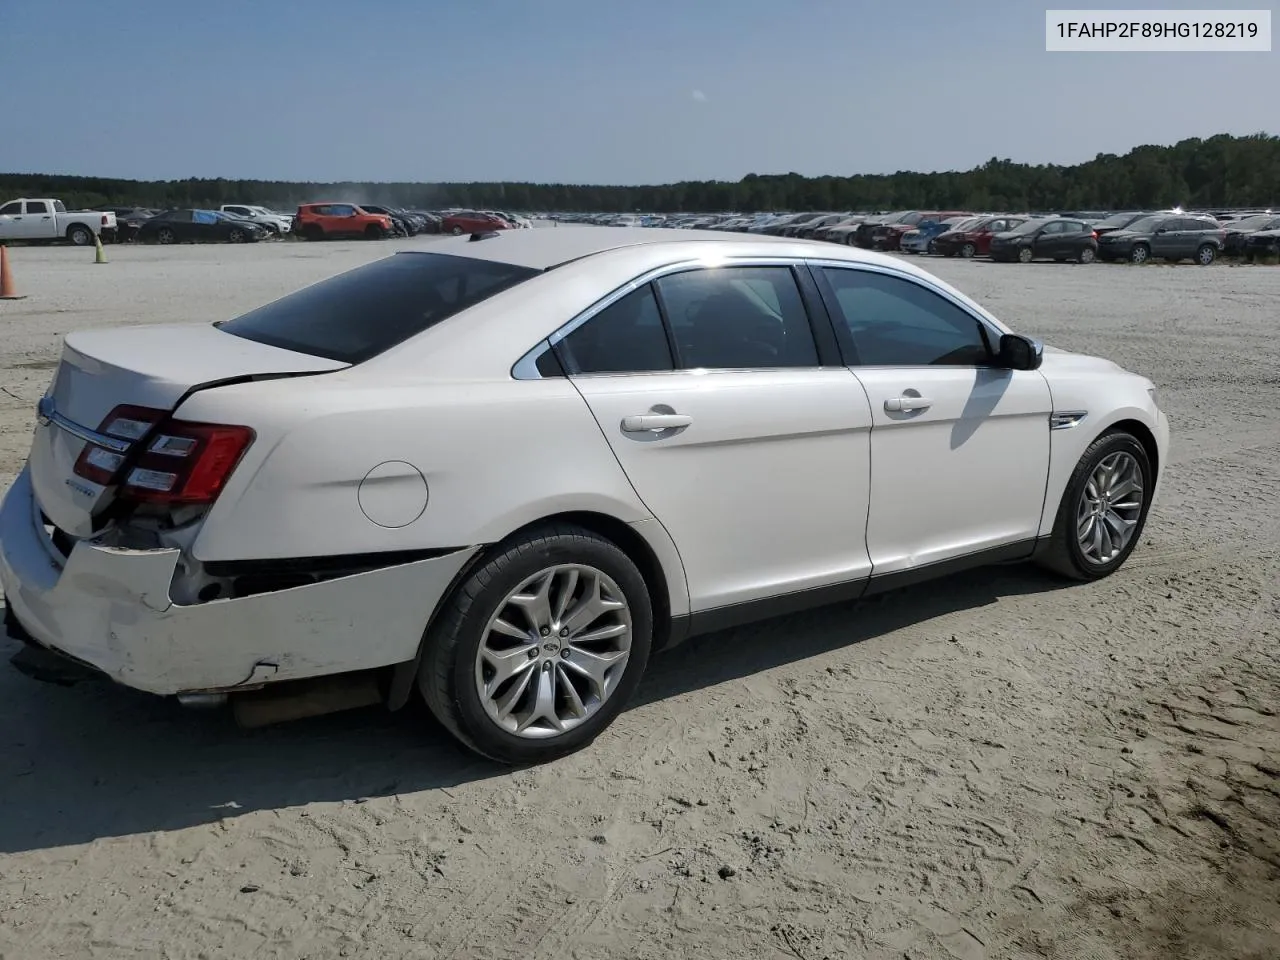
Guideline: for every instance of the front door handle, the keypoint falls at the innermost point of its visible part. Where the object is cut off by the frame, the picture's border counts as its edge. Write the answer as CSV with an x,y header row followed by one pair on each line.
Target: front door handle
x,y
906,404
655,422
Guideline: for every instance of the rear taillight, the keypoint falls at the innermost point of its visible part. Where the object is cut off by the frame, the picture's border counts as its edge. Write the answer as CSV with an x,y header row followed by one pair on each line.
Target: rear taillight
x,y
182,462
1095,234
104,219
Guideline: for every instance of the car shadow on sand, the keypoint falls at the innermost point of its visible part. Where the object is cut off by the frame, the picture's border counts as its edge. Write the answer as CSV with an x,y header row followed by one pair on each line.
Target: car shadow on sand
x,y
96,760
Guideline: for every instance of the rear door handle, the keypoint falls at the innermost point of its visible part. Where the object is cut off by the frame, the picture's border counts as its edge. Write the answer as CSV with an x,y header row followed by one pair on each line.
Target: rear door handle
x,y
656,422
905,404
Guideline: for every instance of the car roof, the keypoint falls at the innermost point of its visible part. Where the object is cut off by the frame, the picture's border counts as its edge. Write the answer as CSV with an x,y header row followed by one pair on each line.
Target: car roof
x,y
543,248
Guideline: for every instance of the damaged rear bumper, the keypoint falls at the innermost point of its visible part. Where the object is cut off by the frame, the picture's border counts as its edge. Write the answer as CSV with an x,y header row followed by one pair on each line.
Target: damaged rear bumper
x,y
110,608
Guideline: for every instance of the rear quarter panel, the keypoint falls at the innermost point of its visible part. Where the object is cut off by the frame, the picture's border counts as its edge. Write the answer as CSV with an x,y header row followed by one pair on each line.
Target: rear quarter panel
x,y
495,456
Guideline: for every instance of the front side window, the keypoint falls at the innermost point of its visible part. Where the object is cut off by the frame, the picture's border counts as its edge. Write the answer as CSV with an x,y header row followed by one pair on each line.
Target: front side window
x,y
625,337
892,321
738,318
11,209
179,216
363,312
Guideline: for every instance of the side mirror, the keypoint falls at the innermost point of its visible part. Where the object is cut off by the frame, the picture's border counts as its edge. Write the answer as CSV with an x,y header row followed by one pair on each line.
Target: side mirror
x,y
1019,353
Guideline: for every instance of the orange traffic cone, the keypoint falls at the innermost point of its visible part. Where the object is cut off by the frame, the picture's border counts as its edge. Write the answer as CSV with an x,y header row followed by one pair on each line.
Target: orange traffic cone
x,y
7,290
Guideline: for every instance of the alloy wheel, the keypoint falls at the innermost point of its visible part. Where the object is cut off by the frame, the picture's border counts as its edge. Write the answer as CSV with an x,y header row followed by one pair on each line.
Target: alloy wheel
x,y
1110,507
554,652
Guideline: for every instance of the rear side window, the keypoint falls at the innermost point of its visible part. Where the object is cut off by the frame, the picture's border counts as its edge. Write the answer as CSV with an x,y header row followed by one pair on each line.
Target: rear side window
x,y
37,206
361,313
625,337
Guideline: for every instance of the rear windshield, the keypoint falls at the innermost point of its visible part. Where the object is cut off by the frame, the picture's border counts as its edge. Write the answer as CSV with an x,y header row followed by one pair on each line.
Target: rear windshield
x,y
361,313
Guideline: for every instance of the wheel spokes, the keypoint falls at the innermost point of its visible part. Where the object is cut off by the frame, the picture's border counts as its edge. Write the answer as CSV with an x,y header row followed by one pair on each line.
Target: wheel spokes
x,y
554,651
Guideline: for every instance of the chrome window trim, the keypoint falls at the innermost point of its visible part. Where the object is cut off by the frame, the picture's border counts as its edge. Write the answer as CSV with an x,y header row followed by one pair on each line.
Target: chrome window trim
x,y
526,367
995,332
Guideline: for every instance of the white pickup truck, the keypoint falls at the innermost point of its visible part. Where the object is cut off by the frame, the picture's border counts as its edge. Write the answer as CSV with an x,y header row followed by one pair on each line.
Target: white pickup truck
x,y
47,219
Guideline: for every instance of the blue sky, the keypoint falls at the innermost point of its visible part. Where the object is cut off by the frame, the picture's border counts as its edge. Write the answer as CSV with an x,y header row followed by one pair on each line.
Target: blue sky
x,y
587,91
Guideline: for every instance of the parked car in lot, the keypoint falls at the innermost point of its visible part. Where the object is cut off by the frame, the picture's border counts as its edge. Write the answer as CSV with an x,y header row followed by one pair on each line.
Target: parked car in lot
x,y
187,225
129,221
1262,244
46,218
724,427
919,239
1117,221
329,221
1238,231
472,221
888,235
275,223
1046,238
973,239
1171,237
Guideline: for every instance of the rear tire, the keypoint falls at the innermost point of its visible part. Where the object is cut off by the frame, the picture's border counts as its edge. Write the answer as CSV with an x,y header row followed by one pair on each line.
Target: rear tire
x,y
1086,255
312,231
463,647
1140,253
166,236
79,235
1087,507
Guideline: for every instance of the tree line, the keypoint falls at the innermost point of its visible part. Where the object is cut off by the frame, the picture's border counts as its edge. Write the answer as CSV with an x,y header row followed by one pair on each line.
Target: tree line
x,y
1219,172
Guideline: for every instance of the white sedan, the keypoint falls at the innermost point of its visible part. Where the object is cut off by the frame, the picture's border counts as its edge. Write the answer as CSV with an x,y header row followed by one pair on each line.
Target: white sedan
x,y
506,469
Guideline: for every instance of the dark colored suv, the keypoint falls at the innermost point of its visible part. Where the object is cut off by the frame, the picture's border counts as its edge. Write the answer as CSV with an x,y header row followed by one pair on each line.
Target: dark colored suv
x,y
1172,237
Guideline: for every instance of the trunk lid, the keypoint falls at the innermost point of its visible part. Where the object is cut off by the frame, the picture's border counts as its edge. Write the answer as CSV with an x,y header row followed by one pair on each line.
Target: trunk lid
x,y
154,367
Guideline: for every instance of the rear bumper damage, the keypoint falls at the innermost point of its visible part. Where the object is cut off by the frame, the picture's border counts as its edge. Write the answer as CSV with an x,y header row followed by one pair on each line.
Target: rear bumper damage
x,y
110,608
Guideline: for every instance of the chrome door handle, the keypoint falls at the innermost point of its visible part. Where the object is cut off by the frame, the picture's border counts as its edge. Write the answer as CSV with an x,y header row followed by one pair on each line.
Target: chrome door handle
x,y
656,422
905,404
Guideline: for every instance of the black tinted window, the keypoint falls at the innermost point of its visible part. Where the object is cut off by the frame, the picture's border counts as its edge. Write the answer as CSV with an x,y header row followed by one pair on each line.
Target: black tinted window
x,y
738,317
625,337
182,216
896,322
359,314
11,209
37,206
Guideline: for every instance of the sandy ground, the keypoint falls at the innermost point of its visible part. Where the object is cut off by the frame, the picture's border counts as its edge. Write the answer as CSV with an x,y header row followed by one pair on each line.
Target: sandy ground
x,y
991,766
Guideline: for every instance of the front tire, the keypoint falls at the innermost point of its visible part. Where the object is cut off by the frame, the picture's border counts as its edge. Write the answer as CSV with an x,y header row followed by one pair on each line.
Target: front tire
x,y
456,231
1103,509
236,235
540,648
1206,254
1025,255
968,250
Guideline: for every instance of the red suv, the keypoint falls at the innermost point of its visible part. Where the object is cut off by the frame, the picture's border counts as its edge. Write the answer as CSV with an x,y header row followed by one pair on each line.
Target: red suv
x,y
321,221
469,221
